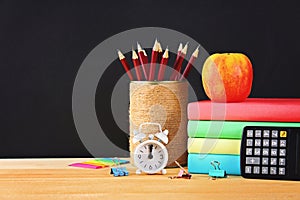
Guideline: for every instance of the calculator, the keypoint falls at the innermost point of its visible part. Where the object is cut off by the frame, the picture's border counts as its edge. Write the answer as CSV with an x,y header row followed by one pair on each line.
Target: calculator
x,y
270,153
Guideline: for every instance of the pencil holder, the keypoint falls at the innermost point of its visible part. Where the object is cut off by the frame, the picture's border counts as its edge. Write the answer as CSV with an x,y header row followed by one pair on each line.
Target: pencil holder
x,y
163,102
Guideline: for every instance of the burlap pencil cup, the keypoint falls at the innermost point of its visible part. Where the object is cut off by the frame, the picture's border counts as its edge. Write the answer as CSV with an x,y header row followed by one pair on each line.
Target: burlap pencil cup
x,y
163,102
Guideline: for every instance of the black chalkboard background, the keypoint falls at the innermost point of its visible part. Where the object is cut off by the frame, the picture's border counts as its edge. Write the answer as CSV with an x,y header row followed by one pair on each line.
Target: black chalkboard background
x,y
43,43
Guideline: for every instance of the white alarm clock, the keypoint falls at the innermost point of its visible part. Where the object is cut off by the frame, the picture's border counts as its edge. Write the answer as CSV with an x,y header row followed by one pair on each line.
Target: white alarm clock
x,y
151,156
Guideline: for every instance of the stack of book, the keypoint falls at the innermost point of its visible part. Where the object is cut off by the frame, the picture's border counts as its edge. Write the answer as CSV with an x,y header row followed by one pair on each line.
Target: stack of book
x,y
215,129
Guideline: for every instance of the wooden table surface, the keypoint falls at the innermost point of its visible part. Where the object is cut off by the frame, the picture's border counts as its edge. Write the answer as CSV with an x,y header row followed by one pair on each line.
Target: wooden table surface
x,y
54,179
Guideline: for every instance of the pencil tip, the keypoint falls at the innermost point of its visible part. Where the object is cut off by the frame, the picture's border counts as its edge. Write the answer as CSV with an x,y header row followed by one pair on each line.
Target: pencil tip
x,y
166,53
155,46
134,55
120,54
159,47
196,52
139,47
184,50
180,47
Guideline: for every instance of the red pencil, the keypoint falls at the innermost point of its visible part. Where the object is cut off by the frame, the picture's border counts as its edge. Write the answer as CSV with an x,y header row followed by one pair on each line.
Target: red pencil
x,y
137,65
125,64
163,64
144,60
153,61
190,64
160,53
178,53
178,64
177,58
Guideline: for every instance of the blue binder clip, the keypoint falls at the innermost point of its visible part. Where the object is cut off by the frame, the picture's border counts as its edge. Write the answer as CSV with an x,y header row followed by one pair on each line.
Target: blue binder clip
x,y
216,172
118,171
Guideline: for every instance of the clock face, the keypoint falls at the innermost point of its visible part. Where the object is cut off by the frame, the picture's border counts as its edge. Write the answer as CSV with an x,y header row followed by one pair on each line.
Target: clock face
x,y
150,156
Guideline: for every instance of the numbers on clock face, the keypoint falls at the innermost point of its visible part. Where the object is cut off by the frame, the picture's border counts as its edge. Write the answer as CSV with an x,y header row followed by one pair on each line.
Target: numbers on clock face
x,y
150,157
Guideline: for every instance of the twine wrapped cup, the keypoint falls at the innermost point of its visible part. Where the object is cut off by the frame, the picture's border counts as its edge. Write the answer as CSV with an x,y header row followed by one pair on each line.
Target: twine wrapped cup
x,y
163,102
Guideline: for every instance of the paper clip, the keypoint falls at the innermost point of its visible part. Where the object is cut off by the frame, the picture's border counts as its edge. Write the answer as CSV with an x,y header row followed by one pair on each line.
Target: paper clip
x,y
182,173
216,172
118,170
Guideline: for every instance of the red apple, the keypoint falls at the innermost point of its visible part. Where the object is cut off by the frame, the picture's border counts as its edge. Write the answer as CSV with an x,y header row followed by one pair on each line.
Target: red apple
x,y
227,77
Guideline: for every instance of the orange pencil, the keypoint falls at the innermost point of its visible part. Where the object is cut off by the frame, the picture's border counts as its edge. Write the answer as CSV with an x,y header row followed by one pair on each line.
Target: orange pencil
x,y
163,64
190,64
125,64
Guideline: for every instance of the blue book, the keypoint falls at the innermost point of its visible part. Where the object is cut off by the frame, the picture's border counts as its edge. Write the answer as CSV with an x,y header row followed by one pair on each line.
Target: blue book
x,y
201,163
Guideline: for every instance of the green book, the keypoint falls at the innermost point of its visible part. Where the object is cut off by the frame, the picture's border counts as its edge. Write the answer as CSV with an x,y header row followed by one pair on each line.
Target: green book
x,y
227,129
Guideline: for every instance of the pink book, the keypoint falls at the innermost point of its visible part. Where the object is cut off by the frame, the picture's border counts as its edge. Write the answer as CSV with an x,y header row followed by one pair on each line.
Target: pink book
x,y
253,109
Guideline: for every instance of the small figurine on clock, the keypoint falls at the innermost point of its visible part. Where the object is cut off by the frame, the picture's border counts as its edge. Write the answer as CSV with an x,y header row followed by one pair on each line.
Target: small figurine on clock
x,y
151,155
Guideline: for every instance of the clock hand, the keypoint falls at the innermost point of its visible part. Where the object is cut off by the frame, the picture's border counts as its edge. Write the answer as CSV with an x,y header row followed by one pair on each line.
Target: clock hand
x,y
150,156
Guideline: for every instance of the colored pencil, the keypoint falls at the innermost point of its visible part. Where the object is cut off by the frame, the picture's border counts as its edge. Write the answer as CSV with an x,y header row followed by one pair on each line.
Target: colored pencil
x,y
160,52
143,59
178,53
137,65
163,64
178,64
125,64
190,64
153,61
177,58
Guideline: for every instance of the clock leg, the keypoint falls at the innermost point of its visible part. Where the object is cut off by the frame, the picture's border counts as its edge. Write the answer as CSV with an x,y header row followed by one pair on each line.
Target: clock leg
x,y
164,171
138,171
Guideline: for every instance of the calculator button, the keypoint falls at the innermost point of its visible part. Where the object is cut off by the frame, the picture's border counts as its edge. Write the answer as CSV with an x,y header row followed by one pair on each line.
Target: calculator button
x,y
273,152
249,133
283,134
273,161
252,160
257,133
273,170
266,142
257,142
265,152
264,170
282,161
256,170
282,143
257,151
266,133
273,143
274,134
249,151
282,152
281,171
249,142
265,161
248,169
